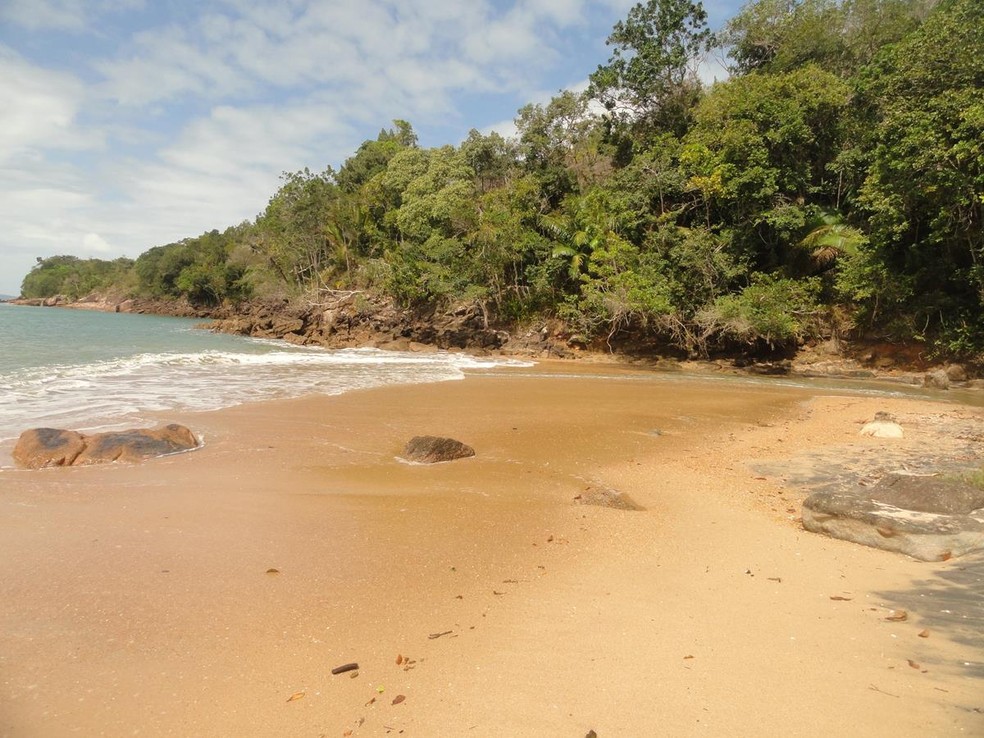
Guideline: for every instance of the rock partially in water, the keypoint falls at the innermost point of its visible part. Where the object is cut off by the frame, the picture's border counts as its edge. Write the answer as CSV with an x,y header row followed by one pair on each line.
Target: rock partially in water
x,y
937,379
43,447
928,518
956,373
434,449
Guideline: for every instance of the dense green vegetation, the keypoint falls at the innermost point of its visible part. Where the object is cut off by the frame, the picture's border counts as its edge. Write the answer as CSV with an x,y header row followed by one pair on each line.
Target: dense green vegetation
x,y
834,184
75,278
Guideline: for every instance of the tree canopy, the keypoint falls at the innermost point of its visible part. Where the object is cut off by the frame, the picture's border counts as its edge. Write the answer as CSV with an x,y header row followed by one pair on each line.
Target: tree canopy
x,y
834,184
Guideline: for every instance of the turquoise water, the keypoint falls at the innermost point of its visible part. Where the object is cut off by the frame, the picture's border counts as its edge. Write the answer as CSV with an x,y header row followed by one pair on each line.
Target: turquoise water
x,y
43,337
86,370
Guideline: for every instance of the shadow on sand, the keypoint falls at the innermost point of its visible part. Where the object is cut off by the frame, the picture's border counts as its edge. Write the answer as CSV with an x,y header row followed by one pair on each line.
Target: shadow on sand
x,y
950,603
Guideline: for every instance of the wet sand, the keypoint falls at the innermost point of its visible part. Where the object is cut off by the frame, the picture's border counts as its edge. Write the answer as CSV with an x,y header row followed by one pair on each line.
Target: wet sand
x,y
197,594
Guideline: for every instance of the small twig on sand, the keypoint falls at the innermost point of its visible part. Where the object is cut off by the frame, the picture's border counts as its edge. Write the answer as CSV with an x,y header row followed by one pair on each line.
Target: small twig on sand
x,y
873,688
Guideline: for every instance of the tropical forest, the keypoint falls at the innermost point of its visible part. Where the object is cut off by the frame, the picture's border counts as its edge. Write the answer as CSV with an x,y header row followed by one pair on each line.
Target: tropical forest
x,y
831,186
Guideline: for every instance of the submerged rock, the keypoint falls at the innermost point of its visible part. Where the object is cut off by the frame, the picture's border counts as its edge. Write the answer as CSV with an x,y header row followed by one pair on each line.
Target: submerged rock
x,y
928,518
43,447
434,449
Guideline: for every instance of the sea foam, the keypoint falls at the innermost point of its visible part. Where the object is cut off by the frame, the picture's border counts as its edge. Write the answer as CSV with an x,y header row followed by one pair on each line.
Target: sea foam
x,y
120,391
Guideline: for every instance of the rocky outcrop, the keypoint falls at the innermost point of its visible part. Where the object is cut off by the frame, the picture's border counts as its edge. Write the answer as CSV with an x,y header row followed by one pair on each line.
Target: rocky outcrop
x,y
179,308
356,320
43,447
928,518
434,449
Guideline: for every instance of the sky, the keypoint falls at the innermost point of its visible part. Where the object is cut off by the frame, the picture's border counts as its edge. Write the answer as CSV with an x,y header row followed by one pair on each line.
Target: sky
x,y
128,124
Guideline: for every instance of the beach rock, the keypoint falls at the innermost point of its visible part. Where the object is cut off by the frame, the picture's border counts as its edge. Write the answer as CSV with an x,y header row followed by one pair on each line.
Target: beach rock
x,y
297,339
770,368
286,324
44,447
604,497
883,425
136,445
882,429
930,494
938,379
433,449
956,373
928,518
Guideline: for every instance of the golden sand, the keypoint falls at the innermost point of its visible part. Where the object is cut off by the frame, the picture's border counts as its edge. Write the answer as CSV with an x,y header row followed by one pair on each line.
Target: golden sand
x,y
212,593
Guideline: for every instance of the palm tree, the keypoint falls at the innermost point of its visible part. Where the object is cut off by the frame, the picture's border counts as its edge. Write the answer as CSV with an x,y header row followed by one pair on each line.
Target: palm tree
x,y
829,240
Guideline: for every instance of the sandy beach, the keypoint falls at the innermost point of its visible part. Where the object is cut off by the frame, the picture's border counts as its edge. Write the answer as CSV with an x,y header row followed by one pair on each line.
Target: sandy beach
x,y
212,593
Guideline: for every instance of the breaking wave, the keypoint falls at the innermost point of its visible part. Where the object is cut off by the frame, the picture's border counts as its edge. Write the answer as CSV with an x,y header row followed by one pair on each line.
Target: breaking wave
x,y
114,391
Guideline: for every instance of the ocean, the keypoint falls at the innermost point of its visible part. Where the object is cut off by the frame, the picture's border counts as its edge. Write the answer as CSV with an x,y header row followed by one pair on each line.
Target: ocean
x,y
86,370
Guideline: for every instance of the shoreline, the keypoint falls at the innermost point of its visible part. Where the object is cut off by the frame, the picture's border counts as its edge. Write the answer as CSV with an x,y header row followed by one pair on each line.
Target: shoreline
x,y
333,327
140,596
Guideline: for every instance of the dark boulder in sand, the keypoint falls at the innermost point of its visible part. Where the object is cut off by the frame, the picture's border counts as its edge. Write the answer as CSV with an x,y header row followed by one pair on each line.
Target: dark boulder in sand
x,y
928,518
43,447
434,449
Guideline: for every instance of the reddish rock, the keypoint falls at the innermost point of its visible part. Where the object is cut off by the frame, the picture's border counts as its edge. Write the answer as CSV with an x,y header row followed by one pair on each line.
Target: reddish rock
x,y
433,449
136,445
43,447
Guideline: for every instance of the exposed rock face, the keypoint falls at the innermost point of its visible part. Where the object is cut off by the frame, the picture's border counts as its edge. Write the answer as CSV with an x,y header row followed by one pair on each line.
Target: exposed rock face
x,y
433,449
929,494
928,518
357,320
43,447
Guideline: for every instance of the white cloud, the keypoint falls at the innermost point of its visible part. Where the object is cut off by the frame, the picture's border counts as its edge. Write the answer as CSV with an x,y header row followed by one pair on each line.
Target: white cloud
x,y
164,64
37,108
162,124
63,15
237,48
505,128
35,14
96,244
561,12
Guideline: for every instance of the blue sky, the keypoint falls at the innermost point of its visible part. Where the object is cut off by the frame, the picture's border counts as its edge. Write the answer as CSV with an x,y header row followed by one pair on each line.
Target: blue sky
x,y
126,124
